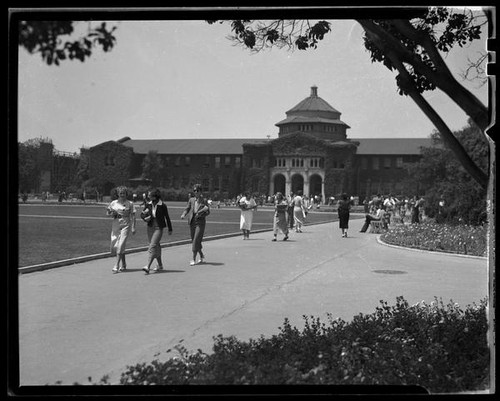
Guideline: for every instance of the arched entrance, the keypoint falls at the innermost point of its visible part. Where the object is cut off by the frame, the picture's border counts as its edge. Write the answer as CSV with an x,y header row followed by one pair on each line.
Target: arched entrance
x,y
279,183
297,183
315,182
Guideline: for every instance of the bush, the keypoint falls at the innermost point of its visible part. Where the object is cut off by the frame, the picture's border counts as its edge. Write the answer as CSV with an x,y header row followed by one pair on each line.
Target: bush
x,y
442,348
462,239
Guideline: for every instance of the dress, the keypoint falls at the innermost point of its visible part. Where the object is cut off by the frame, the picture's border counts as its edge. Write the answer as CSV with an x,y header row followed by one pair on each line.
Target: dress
x,y
298,210
280,221
343,212
246,218
120,228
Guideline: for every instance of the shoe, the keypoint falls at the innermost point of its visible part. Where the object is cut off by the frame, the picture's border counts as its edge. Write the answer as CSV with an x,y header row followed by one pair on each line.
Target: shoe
x,y
284,239
146,270
157,268
274,239
192,263
202,260
115,269
123,268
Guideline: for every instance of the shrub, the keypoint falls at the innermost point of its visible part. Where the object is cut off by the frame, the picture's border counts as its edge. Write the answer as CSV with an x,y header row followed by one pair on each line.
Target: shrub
x,y
442,348
462,239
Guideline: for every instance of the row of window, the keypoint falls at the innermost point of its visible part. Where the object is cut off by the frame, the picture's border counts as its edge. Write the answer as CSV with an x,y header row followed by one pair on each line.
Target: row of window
x,y
308,127
220,183
375,163
216,161
299,162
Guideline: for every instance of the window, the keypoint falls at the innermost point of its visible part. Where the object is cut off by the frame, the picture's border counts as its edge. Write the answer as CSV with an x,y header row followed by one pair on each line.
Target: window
x,y
375,163
237,162
217,162
256,163
216,183
205,183
206,163
364,163
387,162
177,162
399,162
225,183
109,160
227,161
187,161
166,161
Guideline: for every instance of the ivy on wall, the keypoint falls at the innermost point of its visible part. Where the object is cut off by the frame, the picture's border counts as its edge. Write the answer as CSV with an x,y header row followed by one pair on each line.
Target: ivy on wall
x,y
110,163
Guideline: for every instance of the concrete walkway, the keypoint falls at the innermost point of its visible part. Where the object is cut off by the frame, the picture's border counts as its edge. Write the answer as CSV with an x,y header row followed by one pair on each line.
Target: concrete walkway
x,y
82,321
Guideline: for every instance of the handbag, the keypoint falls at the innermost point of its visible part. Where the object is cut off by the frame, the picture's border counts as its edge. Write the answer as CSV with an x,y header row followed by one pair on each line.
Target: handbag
x,y
146,215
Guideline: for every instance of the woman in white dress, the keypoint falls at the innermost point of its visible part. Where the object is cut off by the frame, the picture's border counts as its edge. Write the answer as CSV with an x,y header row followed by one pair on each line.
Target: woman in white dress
x,y
247,205
123,213
299,211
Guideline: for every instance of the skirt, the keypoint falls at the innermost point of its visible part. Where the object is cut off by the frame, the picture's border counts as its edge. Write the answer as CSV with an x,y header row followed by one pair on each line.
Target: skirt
x,y
119,235
246,220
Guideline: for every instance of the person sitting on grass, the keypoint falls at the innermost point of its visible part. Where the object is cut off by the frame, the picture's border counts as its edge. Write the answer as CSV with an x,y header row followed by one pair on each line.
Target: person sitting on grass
x,y
379,214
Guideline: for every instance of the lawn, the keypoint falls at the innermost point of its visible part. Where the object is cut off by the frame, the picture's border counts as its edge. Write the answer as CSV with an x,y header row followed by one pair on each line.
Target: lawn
x,y
53,232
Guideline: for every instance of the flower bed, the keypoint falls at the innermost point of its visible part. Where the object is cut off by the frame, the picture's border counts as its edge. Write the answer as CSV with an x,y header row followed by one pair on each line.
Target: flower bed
x,y
460,239
442,348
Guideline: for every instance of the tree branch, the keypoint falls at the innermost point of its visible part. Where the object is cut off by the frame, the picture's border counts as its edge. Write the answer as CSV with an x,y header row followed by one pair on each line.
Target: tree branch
x,y
446,82
449,139
465,99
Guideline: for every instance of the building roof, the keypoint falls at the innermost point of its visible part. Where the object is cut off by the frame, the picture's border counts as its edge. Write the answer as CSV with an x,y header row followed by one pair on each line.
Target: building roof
x,y
221,146
391,146
312,119
312,103
191,146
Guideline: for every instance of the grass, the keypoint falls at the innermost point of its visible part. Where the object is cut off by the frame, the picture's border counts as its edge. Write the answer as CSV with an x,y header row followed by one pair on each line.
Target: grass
x,y
53,232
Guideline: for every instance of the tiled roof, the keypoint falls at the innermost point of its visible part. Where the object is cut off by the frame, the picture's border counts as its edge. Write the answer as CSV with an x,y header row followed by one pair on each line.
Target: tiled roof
x,y
391,146
312,103
191,146
367,146
312,119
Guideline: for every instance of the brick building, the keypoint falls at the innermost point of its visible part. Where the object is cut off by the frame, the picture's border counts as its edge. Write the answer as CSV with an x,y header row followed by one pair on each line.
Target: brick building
x,y
312,153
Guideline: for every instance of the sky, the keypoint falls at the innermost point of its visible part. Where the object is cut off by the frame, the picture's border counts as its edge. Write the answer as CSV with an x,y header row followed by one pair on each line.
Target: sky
x,y
184,79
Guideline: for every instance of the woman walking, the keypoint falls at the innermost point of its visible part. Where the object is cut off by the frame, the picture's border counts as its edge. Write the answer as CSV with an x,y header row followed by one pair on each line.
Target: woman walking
x,y
155,213
299,211
280,212
198,209
123,213
248,206
343,209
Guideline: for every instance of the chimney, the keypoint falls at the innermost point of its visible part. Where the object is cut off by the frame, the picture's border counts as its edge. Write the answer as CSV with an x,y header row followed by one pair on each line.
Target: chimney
x,y
314,91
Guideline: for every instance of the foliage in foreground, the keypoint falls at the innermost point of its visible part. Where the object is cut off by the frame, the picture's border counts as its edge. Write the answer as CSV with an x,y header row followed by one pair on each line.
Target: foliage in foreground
x,y
462,239
442,348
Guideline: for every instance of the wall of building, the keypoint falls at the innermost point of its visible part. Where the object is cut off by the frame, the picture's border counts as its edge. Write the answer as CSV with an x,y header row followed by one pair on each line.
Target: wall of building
x,y
109,164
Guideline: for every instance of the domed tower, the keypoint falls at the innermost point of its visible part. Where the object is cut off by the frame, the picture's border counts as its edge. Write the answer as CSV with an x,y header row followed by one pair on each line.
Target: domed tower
x,y
316,117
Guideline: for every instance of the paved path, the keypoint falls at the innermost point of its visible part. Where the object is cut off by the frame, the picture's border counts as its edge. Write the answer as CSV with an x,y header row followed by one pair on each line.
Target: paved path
x,y
83,321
